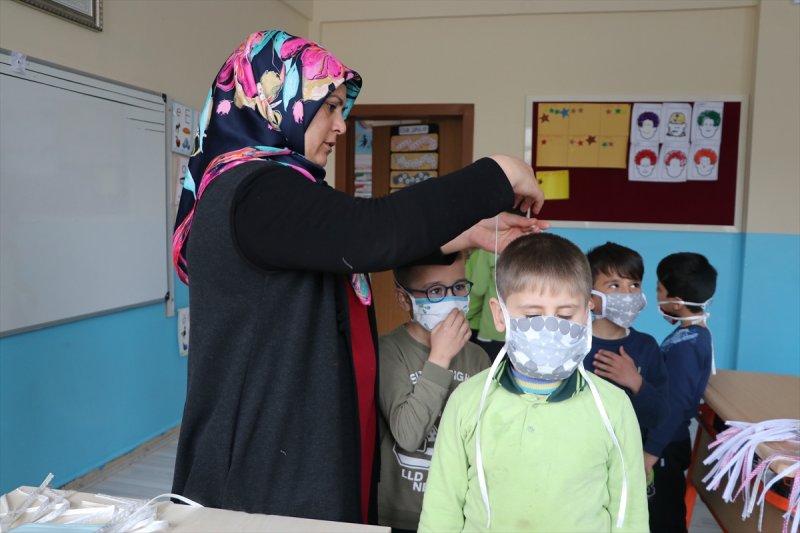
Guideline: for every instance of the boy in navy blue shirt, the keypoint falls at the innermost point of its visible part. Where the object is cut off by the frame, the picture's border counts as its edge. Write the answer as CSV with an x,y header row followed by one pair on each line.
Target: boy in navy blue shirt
x,y
628,358
686,283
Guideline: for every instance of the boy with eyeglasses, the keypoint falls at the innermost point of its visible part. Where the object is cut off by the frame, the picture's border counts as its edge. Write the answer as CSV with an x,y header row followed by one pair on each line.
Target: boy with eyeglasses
x,y
421,363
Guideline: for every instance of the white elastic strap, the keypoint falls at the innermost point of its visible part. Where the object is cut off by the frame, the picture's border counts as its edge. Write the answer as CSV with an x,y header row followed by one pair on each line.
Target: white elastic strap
x,y
478,457
11,516
623,502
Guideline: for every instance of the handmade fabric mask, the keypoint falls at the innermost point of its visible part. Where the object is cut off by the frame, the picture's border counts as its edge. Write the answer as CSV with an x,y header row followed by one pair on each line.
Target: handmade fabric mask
x,y
546,347
428,314
620,308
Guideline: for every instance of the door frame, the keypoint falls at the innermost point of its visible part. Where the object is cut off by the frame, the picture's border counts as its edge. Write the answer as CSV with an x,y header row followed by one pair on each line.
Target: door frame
x,y
345,153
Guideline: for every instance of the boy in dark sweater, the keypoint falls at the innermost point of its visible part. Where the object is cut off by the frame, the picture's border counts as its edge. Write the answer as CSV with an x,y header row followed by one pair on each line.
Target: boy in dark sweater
x,y
686,283
628,358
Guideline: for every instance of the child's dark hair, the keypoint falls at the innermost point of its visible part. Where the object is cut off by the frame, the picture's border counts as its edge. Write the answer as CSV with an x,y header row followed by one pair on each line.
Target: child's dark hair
x,y
543,262
404,275
688,276
611,258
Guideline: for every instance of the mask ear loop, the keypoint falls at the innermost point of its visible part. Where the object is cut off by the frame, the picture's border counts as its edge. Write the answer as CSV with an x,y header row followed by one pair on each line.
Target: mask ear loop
x,y
485,393
623,501
603,304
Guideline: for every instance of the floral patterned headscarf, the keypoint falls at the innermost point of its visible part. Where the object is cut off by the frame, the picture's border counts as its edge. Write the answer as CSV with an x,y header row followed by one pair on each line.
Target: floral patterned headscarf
x,y
258,108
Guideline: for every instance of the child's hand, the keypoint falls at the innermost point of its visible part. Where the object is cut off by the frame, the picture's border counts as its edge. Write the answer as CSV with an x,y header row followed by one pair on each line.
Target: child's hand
x,y
619,368
448,337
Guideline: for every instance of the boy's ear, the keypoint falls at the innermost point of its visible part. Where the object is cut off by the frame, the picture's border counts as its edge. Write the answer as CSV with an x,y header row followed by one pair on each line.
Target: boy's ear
x,y
402,299
497,315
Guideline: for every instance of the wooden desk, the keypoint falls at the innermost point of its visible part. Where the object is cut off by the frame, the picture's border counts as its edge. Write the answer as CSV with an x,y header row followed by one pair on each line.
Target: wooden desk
x,y
186,519
744,397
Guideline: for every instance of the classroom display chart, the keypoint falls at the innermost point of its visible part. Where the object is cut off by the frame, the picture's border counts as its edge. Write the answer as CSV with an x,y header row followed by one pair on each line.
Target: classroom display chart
x,y
363,161
414,155
691,181
575,134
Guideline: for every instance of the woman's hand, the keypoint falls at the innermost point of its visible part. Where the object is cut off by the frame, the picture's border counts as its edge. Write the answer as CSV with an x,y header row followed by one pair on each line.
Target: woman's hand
x,y
522,179
482,235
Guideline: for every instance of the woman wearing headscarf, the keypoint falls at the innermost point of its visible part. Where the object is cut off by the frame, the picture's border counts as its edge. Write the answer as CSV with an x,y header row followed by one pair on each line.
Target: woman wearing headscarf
x,y
280,414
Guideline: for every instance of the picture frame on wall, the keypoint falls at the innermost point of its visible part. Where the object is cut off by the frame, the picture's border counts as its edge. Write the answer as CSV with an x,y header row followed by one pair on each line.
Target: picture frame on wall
x,y
87,13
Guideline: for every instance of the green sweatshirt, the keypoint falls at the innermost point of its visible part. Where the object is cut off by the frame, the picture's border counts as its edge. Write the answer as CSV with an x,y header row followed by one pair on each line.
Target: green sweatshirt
x,y
412,394
480,271
550,464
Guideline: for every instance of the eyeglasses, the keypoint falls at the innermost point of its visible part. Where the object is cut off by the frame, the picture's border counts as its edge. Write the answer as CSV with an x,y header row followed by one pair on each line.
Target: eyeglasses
x,y
437,293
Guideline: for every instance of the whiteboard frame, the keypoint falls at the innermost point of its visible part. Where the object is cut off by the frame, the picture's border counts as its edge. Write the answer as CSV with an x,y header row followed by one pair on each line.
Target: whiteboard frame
x,y
738,216
103,88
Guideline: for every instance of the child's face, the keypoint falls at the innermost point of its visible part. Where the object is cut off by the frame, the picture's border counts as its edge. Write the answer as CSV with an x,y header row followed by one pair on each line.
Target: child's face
x,y
431,279
561,303
614,283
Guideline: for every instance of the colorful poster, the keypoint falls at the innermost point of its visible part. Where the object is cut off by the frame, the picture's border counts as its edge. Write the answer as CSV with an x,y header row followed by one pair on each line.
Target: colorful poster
x,y
643,162
582,135
645,122
404,178
182,127
704,161
363,161
415,161
673,162
420,142
707,123
554,184
676,123
180,164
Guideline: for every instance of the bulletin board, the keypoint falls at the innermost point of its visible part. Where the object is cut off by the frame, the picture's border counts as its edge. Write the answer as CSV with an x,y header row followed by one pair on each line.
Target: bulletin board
x,y
606,197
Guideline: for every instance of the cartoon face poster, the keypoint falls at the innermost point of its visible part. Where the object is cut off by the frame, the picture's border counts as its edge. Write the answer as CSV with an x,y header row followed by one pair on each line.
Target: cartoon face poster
x,y
673,162
676,123
704,161
707,123
643,162
645,122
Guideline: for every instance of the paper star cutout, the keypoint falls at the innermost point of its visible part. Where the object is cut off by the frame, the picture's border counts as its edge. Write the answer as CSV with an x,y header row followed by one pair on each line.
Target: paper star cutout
x,y
572,141
544,118
544,141
608,111
580,143
610,143
580,110
591,139
565,112
605,144
618,111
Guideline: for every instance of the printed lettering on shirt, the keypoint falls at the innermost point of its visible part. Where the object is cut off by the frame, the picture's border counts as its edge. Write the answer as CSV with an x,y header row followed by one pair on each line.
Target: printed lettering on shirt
x,y
457,376
682,335
414,465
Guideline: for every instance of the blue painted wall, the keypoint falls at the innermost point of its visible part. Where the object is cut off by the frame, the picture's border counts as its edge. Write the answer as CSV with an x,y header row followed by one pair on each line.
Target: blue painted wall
x,y
76,396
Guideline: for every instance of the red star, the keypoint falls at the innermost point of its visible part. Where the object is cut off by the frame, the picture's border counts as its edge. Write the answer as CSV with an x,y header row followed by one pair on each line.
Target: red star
x,y
608,111
610,143
544,118
571,141
573,109
580,110
544,141
591,139
580,143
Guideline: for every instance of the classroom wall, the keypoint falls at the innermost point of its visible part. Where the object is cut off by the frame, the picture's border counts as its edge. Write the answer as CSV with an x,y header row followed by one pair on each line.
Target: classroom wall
x,y
495,54
74,396
77,395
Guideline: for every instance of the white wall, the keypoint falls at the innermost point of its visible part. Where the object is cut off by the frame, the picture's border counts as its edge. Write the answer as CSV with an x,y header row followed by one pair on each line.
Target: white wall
x,y
170,46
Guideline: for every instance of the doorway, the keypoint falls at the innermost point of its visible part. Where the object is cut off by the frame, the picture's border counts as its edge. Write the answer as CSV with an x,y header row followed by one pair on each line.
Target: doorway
x,y
455,123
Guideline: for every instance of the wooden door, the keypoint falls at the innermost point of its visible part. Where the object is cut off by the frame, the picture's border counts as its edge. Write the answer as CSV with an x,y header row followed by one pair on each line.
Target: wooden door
x,y
455,122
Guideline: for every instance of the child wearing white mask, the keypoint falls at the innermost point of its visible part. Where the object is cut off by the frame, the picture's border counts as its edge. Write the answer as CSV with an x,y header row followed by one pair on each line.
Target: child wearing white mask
x,y
624,356
421,363
535,443
686,283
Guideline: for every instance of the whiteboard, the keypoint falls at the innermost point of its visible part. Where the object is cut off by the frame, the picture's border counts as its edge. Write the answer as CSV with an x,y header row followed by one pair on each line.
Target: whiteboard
x,y
82,196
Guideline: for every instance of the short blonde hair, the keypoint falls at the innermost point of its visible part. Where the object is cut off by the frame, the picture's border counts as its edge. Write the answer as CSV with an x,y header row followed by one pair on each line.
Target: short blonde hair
x,y
543,262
